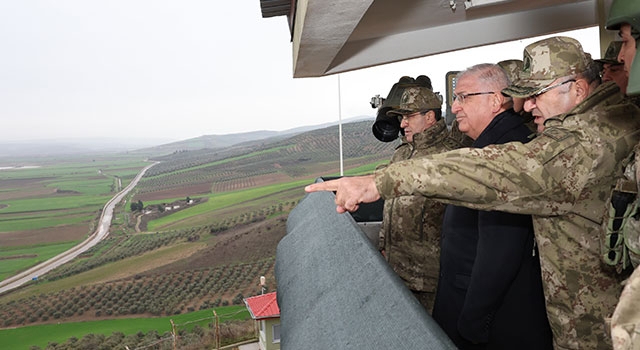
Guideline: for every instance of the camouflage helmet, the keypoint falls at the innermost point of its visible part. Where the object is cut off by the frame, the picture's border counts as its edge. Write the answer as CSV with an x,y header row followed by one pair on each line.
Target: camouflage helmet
x,y
545,61
512,68
416,99
611,55
621,12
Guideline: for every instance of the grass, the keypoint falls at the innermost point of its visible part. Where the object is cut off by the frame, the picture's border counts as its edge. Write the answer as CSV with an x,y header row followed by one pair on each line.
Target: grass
x,y
218,162
41,335
42,221
225,199
85,185
55,203
76,179
10,267
135,264
195,215
114,270
365,169
80,166
91,187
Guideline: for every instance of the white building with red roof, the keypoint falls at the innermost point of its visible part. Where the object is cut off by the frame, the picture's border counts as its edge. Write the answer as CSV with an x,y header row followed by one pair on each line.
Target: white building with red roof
x,y
264,309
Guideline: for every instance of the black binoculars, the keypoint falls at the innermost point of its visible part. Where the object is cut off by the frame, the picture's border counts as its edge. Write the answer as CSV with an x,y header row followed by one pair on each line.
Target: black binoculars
x,y
387,128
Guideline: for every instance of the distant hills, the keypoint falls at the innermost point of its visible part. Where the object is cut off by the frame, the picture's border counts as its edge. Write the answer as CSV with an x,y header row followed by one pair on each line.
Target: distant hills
x,y
268,161
228,140
58,147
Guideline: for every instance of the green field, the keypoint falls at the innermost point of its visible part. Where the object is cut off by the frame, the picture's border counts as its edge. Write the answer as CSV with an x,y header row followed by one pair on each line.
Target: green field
x,y
219,242
221,200
10,267
227,199
25,337
54,196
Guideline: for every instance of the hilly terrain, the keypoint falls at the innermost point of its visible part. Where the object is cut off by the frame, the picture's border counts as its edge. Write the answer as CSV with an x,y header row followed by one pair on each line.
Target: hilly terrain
x,y
208,227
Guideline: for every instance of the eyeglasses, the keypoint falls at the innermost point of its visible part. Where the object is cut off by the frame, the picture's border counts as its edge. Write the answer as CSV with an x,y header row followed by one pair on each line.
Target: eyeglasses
x,y
409,116
550,87
462,97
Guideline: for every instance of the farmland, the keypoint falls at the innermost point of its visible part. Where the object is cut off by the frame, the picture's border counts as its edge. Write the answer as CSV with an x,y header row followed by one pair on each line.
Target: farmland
x,y
209,227
47,209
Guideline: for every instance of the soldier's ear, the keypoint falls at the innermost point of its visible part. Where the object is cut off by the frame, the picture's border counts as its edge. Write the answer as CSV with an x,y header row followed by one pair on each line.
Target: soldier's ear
x,y
430,115
582,89
497,101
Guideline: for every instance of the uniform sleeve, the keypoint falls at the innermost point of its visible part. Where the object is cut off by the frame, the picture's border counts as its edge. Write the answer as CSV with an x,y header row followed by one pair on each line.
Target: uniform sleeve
x,y
542,177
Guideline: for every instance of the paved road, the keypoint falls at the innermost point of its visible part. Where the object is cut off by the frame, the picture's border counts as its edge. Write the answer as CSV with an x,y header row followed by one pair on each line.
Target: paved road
x,y
101,233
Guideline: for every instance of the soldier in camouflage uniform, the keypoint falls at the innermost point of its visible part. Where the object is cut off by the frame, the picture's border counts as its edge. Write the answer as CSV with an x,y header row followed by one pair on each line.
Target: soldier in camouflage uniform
x,y
624,16
611,69
410,232
562,178
513,69
625,323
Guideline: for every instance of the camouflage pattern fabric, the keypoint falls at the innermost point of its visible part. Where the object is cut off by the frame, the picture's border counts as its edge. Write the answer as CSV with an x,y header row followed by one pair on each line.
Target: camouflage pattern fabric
x,y
625,323
634,99
512,68
545,61
611,55
562,178
410,232
621,224
631,226
632,229
456,138
416,99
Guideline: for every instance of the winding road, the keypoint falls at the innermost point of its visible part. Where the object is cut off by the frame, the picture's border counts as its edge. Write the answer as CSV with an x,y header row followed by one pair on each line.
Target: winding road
x,y
101,233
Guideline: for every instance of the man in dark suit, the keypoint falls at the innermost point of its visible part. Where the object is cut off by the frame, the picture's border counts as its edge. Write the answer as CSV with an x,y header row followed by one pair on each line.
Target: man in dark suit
x,y
490,292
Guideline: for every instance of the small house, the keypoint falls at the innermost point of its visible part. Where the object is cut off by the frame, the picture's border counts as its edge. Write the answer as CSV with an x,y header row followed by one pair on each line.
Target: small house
x,y
265,311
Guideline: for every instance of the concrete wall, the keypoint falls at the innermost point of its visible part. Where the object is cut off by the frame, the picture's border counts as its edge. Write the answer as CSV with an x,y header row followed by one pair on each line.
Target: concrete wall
x,y
335,291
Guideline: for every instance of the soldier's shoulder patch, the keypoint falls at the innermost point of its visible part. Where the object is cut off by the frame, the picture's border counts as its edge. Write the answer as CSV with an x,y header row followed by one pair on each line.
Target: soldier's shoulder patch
x,y
556,133
450,144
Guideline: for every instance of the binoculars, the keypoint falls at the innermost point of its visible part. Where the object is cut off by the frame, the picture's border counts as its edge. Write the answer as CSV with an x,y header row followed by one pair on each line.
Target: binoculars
x,y
386,128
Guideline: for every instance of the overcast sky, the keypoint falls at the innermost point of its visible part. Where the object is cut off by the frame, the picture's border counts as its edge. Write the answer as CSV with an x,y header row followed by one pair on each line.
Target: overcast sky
x,y
173,70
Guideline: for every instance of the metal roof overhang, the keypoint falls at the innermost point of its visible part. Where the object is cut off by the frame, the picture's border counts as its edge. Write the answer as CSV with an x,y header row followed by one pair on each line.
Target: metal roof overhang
x,y
335,36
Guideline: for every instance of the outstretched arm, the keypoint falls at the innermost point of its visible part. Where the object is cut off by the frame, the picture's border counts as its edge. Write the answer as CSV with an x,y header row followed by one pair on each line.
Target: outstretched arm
x,y
350,191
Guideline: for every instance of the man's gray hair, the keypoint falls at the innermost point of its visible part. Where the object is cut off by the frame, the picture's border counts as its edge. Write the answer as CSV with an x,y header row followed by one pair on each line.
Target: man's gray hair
x,y
491,75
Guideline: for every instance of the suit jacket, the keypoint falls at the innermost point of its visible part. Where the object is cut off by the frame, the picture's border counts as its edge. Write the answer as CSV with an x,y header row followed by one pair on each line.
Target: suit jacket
x,y
490,292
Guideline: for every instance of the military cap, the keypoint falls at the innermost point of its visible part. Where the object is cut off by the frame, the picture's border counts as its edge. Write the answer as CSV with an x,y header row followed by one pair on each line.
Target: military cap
x,y
611,55
512,68
416,99
545,61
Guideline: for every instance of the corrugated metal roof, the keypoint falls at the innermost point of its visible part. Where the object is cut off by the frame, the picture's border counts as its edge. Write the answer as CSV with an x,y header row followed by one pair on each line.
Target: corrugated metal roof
x,y
263,306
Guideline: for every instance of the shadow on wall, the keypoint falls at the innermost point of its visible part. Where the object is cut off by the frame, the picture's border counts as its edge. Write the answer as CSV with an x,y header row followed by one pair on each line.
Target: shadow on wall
x,y
335,291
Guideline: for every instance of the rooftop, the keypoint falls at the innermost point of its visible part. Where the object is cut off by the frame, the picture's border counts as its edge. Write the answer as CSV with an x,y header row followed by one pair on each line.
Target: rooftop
x,y
263,306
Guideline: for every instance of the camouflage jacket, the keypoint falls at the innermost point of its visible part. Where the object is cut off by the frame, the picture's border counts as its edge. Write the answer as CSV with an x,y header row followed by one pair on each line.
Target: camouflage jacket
x,y
410,232
625,323
562,178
